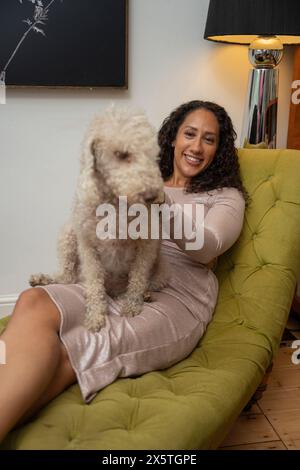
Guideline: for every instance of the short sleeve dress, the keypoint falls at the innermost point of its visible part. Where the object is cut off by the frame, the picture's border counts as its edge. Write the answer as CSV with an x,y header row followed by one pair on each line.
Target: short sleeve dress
x,y
168,328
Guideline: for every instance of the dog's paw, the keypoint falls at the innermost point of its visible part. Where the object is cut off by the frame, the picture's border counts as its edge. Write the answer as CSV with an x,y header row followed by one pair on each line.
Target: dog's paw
x,y
147,296
40,280
131,310
157,284
95,317
132,307
94,323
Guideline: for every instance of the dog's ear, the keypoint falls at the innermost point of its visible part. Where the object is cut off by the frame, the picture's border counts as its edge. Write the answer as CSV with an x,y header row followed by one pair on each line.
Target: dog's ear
x,y
94,146
88,190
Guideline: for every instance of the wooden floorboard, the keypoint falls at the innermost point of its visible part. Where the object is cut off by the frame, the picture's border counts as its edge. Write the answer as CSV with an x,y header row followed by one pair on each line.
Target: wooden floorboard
x,y
274,423
287,425
273,445
251,429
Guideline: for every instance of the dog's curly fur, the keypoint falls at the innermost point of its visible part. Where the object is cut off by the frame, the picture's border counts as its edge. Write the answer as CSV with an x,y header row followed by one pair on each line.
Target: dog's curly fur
x,y
119,157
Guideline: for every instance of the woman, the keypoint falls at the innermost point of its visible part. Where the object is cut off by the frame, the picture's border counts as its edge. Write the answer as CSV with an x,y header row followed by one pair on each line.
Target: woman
x,y
48,349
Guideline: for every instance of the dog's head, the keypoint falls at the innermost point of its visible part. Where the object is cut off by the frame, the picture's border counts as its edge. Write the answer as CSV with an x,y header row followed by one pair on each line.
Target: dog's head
x,y
121,151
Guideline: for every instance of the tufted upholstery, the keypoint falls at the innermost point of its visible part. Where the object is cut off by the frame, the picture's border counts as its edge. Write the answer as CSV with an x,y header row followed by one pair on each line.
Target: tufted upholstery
x,y
193,404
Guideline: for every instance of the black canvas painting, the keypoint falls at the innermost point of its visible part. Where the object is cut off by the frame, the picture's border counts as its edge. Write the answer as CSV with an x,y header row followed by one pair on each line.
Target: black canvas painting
x,y
63,43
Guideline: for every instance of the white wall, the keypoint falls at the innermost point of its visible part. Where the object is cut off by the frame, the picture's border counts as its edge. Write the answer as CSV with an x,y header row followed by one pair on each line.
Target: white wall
x,y
41,131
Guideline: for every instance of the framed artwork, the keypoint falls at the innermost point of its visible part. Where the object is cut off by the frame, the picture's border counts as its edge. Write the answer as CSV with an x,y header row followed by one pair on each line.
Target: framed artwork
x,y
64,43
294,118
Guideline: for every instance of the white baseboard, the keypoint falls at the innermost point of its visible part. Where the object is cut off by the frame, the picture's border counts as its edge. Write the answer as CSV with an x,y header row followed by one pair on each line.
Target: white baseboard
x,y
7,303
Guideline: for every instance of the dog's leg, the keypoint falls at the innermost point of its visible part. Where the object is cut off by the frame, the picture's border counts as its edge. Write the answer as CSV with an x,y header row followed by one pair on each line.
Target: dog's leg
x,y
93,273
138,279
68,261
68,256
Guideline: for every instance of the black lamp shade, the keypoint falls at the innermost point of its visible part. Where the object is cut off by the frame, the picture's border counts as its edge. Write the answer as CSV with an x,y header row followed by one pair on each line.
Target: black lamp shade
x,y
241,21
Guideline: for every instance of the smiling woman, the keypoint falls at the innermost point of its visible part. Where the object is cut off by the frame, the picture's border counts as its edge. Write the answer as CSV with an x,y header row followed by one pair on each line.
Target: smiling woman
x,y
195,146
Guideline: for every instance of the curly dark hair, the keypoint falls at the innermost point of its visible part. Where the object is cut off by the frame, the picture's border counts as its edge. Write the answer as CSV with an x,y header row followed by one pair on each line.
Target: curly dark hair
x,y
224,171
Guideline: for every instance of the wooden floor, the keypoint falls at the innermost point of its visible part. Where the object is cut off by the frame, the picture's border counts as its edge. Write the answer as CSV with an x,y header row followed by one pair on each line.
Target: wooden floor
x,y
274,423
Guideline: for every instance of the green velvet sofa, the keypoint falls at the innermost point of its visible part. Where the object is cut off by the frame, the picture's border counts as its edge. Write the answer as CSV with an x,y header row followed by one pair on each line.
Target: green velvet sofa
x,y
193,404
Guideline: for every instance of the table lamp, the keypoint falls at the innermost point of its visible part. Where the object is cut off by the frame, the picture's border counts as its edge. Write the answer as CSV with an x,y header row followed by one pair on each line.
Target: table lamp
x,y
266,25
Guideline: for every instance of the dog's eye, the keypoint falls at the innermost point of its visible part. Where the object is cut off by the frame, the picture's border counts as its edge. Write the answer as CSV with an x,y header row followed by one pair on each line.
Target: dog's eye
x,y
122,155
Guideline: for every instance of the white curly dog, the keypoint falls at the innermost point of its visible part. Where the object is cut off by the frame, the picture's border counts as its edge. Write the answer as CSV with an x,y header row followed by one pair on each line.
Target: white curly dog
x,y
119,158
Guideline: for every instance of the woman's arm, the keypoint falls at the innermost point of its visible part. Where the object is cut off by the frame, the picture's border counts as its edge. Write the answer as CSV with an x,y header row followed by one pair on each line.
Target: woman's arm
x,y
222,225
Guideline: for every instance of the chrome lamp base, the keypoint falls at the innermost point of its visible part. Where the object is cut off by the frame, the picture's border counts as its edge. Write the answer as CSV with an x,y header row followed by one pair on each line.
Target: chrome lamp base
x,y
260,118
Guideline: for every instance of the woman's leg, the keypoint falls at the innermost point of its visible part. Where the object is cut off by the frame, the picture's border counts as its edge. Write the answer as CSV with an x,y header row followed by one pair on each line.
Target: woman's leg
x,y
63,378
36,364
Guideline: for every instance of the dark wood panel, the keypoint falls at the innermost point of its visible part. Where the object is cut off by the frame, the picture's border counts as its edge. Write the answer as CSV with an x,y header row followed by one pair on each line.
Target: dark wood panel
x,y
293,141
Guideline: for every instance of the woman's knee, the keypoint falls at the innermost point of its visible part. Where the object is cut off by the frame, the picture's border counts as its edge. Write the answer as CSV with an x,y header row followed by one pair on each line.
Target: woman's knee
x,y
36,302
29,300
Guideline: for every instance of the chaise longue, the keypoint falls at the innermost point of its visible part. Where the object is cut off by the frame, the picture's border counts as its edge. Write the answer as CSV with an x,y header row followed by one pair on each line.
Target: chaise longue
x,y
193,404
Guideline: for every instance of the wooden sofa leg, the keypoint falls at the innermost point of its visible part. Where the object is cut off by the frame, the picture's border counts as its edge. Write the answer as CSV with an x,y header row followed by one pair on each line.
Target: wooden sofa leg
x,y
260,389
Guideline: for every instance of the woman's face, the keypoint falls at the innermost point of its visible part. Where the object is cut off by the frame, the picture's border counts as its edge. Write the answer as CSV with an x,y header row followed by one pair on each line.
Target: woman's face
x,y
195,145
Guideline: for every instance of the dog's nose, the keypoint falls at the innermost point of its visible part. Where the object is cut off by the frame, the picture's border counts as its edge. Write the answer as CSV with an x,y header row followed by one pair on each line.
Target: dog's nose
x,y
148,196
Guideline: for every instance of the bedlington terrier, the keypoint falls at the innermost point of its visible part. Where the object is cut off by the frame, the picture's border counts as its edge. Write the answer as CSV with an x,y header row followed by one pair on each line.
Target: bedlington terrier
x,y
119,158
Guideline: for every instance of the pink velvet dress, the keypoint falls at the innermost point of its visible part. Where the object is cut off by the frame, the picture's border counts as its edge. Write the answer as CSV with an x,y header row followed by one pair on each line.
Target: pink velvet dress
x,y
169,328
